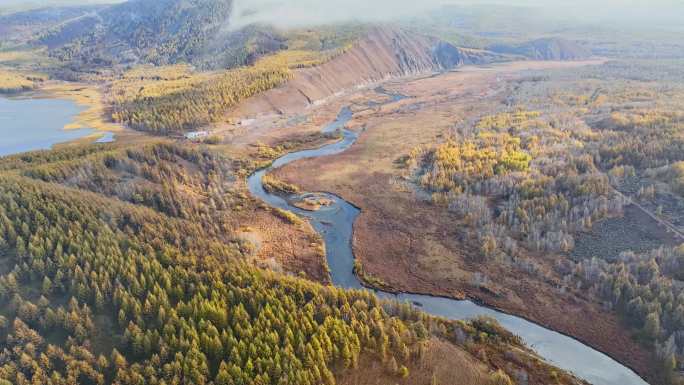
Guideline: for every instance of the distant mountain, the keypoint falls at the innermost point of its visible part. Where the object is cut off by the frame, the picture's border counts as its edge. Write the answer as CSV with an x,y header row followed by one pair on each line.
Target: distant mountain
x,y
451,56
545,49
164,32
20,27
159,32
193,31
25,5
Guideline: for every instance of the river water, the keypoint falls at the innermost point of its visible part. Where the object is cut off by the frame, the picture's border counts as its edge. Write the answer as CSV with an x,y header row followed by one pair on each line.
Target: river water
x,y
335,224
28,124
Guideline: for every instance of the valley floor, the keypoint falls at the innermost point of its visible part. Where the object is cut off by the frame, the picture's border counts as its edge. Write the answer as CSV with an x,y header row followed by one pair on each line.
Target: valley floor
x,y
406,243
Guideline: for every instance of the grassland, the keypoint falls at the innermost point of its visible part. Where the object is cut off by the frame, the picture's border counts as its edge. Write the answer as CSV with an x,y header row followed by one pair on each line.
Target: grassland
x,y
12,82
36,60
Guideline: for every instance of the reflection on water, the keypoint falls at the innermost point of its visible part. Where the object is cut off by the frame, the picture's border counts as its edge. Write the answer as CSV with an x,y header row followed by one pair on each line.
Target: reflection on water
x,y
335,224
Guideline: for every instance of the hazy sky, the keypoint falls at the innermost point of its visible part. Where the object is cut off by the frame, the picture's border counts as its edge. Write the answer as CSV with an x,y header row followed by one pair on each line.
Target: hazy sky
x,y
287,13
297,13
30,4
47,3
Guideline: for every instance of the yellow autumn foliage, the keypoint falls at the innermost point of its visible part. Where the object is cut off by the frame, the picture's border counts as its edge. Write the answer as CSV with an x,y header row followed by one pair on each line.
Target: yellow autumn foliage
x,y
453,162
175,99
13,82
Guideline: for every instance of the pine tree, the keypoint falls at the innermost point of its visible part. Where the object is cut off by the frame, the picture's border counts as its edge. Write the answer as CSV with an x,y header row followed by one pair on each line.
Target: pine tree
x,y
47,286
652,326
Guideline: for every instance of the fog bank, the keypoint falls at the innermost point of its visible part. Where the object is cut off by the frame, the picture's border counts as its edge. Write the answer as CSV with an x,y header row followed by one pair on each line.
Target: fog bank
x,y
303,13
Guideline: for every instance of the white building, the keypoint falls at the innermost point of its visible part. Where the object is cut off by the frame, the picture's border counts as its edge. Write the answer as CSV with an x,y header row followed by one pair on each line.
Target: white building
x,y
196,135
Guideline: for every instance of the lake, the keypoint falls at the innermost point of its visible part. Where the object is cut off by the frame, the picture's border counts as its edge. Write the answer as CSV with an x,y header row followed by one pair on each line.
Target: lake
x,y
28,124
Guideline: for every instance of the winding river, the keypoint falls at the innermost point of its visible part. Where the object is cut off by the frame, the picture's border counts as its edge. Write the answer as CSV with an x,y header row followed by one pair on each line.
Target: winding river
x,y
335,224
28,124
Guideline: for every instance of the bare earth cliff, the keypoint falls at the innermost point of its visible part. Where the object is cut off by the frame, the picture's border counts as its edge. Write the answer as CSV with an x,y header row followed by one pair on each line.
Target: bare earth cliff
x,y
383,54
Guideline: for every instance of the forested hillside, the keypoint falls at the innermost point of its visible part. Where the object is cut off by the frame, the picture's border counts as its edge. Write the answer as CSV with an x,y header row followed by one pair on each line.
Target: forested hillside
x,y
169,32
545,49
159,32
103,283
174,99
21,27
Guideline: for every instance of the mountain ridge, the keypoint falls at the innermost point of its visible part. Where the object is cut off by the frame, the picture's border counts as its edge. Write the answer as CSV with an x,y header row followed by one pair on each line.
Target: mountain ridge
x,y
159,32
198,32
385,52
550,48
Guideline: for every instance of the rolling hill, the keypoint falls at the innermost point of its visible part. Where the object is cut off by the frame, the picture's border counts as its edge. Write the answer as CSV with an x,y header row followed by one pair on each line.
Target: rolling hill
x,y
545,49
158,32
21,27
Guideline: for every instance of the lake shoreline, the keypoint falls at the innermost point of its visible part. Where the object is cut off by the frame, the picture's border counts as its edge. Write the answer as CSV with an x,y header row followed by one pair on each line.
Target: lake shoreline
x,y
41,122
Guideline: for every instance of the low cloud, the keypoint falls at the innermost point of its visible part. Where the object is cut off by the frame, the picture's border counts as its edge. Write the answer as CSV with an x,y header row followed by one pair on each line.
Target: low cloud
x,y
303,13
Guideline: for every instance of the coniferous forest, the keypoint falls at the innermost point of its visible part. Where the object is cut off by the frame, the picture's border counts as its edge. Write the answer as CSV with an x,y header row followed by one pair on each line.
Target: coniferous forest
x,y
105,284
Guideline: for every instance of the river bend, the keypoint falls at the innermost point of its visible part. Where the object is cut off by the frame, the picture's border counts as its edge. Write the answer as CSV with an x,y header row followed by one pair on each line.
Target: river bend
x,y
335,224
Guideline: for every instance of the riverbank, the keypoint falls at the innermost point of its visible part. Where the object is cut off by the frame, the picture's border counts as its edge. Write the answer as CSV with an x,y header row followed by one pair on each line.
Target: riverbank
x,y
336,224
413,246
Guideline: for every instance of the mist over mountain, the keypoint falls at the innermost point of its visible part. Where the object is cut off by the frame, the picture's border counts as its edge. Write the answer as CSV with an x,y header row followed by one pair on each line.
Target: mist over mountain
x,y
10,6
301,13
227,33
